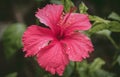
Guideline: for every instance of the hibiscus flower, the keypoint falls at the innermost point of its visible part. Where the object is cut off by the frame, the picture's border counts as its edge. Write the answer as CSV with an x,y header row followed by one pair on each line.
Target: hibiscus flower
x,y
61,41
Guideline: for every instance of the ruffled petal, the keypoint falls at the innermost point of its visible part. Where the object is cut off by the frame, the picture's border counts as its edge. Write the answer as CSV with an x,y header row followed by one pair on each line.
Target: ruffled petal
x,y
50,15
53,58
78,46
75,21
35,38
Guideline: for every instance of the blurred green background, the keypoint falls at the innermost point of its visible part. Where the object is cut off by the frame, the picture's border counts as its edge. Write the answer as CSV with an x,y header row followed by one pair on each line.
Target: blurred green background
x,y
16,15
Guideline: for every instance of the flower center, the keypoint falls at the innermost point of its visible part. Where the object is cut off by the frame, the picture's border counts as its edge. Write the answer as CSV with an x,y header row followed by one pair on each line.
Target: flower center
x,y
60,36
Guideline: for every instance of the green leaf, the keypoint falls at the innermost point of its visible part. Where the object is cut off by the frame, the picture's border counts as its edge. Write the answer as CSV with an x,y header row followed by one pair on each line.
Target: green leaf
x,y
14,74
83,68
98,27
93,69
105,32
114,16
69,70
114,26
101,24
83,8
12,39
103,73
98,19
118,59
96,64
67,5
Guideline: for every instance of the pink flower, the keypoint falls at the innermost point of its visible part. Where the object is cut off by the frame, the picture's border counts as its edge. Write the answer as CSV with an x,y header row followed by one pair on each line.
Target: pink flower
x,y
59,42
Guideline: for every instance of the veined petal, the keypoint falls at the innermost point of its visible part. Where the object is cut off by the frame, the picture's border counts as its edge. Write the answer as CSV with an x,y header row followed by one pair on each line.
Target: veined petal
x,y
35,38
50,15
75,21
53,58
78,46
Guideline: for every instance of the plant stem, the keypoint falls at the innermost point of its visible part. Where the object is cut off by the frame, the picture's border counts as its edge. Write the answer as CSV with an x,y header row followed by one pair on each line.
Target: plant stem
x,y
117,48
113,42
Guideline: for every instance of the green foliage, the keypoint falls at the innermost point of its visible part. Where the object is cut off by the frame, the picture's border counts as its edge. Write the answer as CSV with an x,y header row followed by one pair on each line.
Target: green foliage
x,y
104,27
105,32
96,65
114,26
118,59
14,74
98,27
67,5
102,24
83,69
93,69
83,8
97,19
103,73
12,39
69,70
114,16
